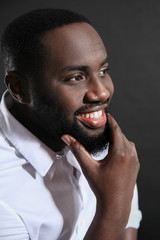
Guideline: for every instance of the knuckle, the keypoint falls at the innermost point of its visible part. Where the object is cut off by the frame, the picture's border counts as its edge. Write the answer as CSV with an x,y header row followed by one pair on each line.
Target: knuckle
x,y
77,149
132,144
121,155
132,155
128,156
135,160
115,126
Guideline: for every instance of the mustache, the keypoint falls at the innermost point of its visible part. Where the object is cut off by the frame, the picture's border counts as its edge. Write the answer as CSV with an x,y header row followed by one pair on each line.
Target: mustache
x,y
88,106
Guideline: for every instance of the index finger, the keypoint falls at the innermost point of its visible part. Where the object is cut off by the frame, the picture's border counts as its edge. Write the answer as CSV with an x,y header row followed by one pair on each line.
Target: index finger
x,y
116,135
85,160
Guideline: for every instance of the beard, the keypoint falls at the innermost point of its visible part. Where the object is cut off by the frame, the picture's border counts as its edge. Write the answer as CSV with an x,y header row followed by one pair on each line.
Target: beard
x,y
52,119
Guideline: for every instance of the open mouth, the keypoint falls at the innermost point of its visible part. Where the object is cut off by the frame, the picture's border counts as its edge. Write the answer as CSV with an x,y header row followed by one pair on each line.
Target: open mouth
x,y
94,119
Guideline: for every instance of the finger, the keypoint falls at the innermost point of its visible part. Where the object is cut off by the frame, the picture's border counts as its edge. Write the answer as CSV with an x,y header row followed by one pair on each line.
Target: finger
x,y
133,147
116,135
83,157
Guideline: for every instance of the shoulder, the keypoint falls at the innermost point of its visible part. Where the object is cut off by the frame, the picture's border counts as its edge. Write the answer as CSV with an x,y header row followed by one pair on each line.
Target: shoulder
x,y
9,156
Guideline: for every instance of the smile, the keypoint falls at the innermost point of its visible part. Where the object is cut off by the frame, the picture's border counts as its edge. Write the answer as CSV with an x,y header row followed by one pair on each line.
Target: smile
x,y
94,119
94,115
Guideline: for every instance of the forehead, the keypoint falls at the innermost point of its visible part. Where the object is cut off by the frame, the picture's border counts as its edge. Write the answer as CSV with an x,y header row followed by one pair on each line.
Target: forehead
x,y
76,43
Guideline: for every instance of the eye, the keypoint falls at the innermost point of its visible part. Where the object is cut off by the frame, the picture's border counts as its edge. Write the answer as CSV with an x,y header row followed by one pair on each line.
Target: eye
x,y
103,72
74,78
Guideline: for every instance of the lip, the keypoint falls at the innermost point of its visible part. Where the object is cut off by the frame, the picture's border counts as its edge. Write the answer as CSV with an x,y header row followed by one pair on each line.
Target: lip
x,y
93,122
94,109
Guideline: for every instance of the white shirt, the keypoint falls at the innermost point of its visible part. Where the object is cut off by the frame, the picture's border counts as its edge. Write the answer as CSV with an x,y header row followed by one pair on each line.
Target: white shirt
x,y
40,195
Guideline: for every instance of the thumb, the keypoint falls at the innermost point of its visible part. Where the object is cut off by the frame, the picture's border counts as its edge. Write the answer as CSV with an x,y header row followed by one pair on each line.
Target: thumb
x,y
83,157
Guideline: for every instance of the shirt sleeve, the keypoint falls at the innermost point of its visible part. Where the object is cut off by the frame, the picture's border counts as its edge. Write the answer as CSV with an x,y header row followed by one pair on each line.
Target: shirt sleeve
x,y
135,214
11,225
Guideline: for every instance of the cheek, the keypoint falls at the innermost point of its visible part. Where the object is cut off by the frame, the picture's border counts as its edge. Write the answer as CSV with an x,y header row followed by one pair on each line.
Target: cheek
x,y
69,100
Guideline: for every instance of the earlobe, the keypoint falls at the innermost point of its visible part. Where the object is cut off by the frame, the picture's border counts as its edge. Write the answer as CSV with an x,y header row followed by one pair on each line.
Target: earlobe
x,y
15,85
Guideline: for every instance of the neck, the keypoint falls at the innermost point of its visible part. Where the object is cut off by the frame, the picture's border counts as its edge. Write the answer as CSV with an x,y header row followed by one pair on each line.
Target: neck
x,y
24,115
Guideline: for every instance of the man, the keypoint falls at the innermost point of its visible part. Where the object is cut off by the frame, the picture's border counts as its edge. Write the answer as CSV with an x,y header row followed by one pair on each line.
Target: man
x,y
57,180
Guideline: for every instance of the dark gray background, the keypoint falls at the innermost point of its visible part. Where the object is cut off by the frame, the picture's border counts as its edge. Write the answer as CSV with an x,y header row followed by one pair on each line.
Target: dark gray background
x,y
131,33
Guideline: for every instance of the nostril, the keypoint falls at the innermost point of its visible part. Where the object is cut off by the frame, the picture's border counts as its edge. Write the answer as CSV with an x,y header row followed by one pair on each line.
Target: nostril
x,y
97,95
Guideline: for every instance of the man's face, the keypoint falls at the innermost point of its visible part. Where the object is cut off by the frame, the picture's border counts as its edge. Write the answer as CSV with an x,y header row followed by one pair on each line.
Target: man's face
x,y
75,92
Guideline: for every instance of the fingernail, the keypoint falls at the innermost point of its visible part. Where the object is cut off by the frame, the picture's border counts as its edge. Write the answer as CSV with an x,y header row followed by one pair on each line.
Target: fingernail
x,y
66,140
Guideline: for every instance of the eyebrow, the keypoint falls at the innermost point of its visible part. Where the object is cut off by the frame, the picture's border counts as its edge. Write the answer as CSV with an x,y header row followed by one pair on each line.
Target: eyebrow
x,y
81,68
74,68
104,62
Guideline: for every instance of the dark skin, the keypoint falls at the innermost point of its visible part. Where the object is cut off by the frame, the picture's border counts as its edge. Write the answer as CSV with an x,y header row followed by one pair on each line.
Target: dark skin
x,y
76,76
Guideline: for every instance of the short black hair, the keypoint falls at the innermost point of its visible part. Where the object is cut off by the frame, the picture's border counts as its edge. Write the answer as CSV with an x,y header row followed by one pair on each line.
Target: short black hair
x,y
20,43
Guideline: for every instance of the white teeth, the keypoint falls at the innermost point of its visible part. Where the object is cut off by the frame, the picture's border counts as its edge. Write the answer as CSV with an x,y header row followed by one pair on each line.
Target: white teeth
x,y
100,113
94,115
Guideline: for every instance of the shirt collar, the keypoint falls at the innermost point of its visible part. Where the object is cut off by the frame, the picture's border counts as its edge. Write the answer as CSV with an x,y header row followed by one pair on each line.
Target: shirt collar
x,y
34,151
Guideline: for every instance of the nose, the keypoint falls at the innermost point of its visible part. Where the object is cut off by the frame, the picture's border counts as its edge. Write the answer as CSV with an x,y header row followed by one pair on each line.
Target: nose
x,y
97,91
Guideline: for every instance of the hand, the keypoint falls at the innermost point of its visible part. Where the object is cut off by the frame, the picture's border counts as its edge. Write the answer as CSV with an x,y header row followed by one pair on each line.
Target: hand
x,y
113,178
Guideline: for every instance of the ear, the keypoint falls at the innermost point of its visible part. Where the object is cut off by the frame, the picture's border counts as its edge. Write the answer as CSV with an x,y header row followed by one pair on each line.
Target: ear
x,y
18,87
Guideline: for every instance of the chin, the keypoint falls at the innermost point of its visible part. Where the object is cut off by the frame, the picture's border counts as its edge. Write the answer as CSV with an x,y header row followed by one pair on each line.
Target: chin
x,y
94,140
92,131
